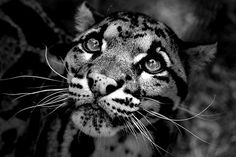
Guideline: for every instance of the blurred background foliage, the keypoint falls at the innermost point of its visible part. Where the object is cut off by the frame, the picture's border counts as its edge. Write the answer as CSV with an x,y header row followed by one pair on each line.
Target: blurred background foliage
x,y
200,21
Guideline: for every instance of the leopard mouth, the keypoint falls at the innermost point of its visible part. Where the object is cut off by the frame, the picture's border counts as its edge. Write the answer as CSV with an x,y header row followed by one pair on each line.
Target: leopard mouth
x,y
95,111
105,116
96,121
93,120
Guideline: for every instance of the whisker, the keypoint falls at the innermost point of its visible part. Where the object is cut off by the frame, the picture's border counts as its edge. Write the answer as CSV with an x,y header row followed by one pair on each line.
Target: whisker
x,y
58,99
49,100
145,118
142,126
46,90
166,118
47,97
32,93
197,115
148,136
208,116
149,139
31,76
138,127
67,70
156,101
131,128
46,57
162,118
46,86
31,107
56,109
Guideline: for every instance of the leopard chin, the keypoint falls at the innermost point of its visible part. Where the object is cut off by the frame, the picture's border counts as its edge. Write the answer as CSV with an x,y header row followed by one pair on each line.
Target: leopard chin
x,y
94,121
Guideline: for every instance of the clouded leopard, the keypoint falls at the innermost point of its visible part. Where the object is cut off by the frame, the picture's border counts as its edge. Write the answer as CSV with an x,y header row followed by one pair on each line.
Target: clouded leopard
x,y
127,73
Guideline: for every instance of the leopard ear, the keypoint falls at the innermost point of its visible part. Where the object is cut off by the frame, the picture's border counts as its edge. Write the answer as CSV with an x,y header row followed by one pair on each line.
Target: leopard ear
x,y
199,55
86,17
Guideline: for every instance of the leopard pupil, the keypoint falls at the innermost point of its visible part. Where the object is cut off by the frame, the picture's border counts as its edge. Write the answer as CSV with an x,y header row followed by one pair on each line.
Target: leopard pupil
x,y
93,44
153,65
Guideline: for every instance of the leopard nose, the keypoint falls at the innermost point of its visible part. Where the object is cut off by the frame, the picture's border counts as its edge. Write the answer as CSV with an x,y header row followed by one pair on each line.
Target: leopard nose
x,y
101,84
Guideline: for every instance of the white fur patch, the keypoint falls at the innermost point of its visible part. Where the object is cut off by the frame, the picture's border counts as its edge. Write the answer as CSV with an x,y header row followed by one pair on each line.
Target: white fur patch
x,y
75,80
139,57
164,73
104,45
111,31
146,76
144,42
89,128
166,58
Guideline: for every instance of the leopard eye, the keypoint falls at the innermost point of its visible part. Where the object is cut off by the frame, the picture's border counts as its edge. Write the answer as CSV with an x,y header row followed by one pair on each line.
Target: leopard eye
x,y
153,66
91,45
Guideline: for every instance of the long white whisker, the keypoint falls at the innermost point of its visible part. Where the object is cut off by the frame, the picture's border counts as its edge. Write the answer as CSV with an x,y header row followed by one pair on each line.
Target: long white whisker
x,y
209,117
189,118
41,91
66,67
46,57
156,101
51,100
143,127
137,126
149,139
56,109
31,76
32,93
145,119
131,128
30,107
197,115
24,95
162,118
166,118
148,136
41,87
59,99
48,97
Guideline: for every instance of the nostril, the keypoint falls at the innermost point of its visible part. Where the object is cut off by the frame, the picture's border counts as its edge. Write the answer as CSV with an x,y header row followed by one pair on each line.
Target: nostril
x,y
110,89
90,82
120,83
128,78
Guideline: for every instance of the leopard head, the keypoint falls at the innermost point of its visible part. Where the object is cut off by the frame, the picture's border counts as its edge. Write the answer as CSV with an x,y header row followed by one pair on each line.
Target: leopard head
x,y
127,71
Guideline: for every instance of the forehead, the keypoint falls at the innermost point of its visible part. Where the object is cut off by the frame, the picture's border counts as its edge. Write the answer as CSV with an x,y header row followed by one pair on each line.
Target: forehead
x,y
138,28
132,31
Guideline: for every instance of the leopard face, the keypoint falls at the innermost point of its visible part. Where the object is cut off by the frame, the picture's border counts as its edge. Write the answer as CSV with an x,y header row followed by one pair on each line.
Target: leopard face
x,y
123,70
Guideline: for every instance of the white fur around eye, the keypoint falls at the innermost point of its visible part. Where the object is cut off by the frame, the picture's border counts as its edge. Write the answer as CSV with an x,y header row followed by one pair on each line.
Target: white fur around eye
x,y
166,58
86,56
104,45
139,57
164,73
147,76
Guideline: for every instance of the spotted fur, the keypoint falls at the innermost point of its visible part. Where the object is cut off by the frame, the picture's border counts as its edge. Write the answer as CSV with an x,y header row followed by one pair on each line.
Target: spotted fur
x,y
111,86
123,71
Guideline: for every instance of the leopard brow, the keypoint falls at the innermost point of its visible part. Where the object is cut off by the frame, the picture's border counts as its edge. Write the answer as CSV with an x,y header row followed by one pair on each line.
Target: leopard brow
x,y
139,57
165,57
